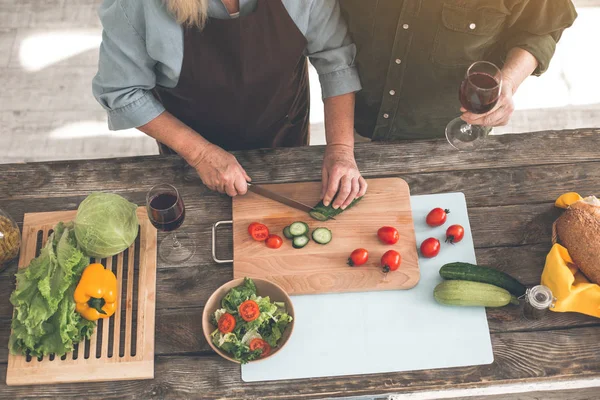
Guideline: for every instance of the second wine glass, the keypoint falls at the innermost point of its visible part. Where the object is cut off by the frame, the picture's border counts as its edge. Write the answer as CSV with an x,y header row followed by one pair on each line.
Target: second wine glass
x,y
479,93
166,211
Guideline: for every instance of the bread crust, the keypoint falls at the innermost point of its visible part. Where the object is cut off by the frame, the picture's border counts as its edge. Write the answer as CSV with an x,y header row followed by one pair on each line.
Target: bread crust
x,y
579,231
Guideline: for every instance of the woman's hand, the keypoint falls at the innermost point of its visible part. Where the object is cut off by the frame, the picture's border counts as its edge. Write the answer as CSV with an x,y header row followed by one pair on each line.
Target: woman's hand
x,y
220,170
499,115
341,176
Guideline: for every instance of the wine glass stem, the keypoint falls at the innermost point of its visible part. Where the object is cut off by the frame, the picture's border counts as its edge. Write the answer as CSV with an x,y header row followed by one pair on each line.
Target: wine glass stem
x,y
466,128
176,243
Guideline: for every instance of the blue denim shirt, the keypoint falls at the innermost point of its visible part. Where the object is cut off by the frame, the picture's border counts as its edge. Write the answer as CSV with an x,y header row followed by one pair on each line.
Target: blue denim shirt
x,y
142,46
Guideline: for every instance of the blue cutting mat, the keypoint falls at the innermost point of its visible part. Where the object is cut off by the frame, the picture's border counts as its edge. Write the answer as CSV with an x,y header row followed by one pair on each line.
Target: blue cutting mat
x,y
391,331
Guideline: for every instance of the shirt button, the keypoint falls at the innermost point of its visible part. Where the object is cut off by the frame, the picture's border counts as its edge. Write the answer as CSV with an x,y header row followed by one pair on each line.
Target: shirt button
x,y
398,61
386,115
405,26
392,92
472,26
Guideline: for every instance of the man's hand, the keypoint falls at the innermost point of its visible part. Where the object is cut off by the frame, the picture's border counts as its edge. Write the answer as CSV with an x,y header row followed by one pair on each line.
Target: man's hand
x,y
341,175
499,115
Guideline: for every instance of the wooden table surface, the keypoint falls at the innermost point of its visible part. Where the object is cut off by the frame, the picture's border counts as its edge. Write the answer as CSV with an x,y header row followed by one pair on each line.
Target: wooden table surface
x,y
510,190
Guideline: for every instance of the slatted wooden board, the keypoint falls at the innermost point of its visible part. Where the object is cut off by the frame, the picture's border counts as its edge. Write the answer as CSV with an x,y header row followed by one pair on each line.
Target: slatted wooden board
x,y
323,269
122,347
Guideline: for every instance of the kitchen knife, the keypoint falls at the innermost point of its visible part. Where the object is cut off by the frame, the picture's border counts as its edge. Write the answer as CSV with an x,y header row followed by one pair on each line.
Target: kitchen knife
x,y
261,191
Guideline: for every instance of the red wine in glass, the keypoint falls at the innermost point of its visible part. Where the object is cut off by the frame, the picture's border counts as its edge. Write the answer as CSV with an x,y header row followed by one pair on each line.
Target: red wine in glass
x,y
168,212
479,93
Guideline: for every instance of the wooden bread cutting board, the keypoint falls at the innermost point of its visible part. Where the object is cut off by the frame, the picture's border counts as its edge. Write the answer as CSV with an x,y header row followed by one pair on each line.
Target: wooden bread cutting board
x,y
122,346
323,268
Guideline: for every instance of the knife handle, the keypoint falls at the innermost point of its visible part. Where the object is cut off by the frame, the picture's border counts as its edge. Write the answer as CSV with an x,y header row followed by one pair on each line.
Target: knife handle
x,y
214,242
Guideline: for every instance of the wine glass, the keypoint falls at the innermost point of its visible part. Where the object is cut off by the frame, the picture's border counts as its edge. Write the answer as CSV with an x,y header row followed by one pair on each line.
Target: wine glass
x,y
167,213
478,93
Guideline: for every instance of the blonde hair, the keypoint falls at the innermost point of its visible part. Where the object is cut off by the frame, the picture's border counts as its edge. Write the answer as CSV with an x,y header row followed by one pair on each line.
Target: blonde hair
x,y
191,13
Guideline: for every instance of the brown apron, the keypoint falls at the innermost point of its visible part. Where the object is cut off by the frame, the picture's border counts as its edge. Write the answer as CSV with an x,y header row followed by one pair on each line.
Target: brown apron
x,y
244,81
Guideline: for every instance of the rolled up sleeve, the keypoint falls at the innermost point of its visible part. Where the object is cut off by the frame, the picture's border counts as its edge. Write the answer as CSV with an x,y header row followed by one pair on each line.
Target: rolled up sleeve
x,y
331,50
537,25
125,74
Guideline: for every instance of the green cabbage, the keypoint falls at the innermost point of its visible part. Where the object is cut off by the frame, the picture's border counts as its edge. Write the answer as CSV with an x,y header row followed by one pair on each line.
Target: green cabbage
x,y
106,224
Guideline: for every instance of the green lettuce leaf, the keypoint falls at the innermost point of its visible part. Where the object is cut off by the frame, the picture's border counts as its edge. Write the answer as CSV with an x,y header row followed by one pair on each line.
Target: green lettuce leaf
x,y
45,321
238,295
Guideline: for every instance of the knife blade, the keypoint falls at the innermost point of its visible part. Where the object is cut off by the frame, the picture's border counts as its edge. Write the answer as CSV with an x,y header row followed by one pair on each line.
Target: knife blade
x,y
261,191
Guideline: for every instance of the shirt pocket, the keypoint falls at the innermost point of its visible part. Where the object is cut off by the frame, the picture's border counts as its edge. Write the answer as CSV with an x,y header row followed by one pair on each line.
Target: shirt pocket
x,y
465,34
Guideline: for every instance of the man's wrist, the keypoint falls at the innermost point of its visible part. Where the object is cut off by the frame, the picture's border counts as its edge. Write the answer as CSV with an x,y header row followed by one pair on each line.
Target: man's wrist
x,y
341,146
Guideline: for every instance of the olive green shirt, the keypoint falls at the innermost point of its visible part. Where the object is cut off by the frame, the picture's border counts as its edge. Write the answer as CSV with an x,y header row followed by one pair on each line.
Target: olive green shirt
x,y
413,54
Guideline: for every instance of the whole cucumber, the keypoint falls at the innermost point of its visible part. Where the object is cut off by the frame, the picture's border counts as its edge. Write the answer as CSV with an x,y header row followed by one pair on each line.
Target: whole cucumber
x,y
467,293
477,273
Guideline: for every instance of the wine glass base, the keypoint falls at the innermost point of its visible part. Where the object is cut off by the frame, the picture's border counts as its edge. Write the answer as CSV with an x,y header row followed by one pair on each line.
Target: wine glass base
x,y
464,137
176,254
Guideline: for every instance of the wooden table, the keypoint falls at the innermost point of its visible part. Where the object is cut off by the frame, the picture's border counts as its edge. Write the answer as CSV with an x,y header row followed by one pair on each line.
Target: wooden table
x,y
510,190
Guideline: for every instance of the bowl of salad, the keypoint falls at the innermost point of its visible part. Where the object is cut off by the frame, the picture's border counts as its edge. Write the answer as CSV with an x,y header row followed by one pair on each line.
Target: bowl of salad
x,y
248,320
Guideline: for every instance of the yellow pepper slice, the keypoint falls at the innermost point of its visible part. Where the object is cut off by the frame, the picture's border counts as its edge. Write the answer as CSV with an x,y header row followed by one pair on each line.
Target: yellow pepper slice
x,y
565,200
96,294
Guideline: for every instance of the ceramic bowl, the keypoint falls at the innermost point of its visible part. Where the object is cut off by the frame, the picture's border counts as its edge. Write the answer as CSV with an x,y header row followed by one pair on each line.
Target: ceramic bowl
x,y
264,288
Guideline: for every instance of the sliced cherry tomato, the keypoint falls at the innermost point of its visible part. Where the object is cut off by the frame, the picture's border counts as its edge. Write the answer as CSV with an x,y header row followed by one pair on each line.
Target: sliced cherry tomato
x,y
388,235
390,261
256,344
249,310
358,257
437,217
274,242
258,231
454,234
430,248
226,323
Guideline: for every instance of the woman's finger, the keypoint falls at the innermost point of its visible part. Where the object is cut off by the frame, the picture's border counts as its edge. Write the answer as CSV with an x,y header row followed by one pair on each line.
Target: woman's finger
x,y
246,176
324,184
333,184
353,193
343,192
363,187
241,185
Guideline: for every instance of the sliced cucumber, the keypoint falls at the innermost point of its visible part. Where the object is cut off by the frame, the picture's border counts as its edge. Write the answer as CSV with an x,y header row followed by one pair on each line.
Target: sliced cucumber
x,y
287,233
298,229
322,235
300,241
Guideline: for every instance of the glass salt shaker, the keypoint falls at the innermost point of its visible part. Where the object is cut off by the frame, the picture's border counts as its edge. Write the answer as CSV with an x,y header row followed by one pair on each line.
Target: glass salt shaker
x,y
538,300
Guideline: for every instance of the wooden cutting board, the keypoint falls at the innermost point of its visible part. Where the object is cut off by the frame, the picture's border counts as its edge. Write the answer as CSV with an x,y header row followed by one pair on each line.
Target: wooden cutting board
x,y
122,346
323,269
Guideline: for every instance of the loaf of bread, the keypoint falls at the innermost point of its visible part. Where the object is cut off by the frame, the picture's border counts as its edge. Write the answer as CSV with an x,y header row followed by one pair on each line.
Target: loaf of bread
x,y
578,230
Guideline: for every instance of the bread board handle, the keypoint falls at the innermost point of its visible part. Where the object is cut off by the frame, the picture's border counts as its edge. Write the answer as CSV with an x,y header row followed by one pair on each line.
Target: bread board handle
x,y
214,242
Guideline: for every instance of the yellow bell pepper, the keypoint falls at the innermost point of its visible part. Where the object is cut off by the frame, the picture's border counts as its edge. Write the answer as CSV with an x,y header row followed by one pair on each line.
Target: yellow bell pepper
x,y
96,294
565,200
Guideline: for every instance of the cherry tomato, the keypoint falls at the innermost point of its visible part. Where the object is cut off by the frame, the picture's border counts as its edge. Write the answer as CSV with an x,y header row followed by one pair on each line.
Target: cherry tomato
x,y
256,344
358,257
390,261
454,234
226,323
388,235
249,310
258,231
437,217
274,242
430,248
